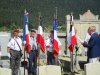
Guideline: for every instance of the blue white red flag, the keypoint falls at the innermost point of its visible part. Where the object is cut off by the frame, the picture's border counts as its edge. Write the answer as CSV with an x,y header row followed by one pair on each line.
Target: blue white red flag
x,y
26,35
55,40
72,41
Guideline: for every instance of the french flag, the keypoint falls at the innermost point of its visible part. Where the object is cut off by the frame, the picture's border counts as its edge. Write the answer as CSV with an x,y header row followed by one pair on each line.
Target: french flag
x,y
40,39
26,35
72,41
55,40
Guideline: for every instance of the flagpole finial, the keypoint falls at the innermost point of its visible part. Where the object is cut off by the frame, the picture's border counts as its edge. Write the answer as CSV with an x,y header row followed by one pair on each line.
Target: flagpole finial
x,y
40,18
54,16
71,13
25,12
71,18
56,12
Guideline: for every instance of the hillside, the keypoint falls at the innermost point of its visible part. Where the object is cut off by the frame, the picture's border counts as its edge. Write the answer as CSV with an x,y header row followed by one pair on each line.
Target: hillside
x,y
11,11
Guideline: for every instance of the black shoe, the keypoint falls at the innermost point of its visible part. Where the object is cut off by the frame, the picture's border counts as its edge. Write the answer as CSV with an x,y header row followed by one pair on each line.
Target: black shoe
x,y
34,73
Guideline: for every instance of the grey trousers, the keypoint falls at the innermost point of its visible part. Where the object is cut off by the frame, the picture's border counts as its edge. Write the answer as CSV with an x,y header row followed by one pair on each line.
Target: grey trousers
x,y
15,61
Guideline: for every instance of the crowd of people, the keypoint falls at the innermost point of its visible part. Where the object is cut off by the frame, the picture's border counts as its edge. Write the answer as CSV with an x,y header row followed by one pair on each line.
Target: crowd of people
x,y
15,44
14,51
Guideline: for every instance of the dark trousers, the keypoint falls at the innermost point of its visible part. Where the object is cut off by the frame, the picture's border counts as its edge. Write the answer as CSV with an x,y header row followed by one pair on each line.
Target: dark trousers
x,y
33,62
15,61
50,58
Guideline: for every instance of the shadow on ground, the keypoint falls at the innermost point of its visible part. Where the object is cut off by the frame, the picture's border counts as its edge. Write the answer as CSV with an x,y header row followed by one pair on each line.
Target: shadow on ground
x,y
66,67
81,64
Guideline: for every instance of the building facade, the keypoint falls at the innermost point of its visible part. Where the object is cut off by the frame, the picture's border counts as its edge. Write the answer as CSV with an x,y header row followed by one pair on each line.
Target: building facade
x,y
85,20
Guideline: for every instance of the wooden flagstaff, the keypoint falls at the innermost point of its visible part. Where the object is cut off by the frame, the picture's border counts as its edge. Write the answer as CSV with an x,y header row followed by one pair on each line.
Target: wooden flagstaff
x,y
38,57
55,17
24,61
56,12
24,47
72,55
40,23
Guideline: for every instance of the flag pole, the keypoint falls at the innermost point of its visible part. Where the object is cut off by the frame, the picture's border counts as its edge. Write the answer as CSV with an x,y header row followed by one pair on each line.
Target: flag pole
x,y
56,12
26,40
55,19
38,57
72,58
56,29
24,61
24,47
25,14
40,23
56,56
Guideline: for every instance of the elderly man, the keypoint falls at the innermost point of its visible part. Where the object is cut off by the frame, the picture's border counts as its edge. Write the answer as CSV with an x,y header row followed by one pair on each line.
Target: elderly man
x,y
93,45
14,48
33,53
87,40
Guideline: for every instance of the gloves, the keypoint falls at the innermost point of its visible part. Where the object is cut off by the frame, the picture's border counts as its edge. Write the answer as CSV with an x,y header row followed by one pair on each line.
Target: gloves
x,y
8,54
27,55
51,45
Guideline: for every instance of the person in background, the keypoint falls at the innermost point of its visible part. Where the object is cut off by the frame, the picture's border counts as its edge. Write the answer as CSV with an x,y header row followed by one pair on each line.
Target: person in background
x,y
86,40
14,48
93,45
51,59
33,53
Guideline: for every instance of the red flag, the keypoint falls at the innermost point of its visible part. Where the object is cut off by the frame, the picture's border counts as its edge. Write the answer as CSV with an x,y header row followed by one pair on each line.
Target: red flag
x,y
40,39
72,36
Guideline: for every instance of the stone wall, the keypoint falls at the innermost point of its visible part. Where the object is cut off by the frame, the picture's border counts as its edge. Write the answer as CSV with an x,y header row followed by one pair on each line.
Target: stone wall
x,y
82,24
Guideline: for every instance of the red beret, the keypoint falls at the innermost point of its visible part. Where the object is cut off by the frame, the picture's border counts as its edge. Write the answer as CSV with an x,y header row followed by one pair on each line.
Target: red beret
x,y
16,30
52,31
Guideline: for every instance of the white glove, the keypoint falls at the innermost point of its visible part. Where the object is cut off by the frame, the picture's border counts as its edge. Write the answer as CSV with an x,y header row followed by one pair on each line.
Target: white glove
x,y
0,54
27,55
8,55
51,45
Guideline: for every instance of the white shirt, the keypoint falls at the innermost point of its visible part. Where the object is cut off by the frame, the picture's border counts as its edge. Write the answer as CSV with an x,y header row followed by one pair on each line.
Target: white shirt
x,y
87,38
33,43
49,44
13,44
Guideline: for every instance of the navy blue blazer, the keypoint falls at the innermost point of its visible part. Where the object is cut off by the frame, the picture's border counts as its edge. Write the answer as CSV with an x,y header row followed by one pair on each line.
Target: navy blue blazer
x,y
94,46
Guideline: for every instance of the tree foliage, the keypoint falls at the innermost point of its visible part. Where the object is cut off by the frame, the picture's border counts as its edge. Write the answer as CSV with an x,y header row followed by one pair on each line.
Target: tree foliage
x,y
12,11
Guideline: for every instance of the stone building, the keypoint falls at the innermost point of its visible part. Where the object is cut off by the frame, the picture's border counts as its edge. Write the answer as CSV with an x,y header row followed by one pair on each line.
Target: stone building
x,y
85,20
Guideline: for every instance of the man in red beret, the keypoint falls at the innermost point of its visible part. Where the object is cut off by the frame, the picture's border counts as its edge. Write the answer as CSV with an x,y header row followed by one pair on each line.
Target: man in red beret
x,y
14,48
